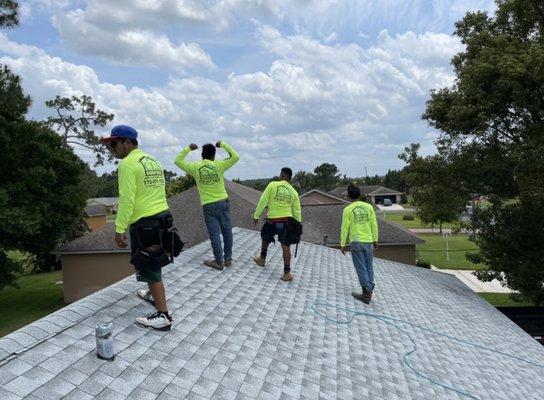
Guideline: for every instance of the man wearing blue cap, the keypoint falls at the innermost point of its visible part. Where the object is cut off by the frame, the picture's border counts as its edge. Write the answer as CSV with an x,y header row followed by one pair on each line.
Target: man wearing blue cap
x,y
142,205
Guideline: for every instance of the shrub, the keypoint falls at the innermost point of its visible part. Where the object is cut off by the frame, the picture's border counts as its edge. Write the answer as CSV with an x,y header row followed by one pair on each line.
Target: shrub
x,y
408,217
423,264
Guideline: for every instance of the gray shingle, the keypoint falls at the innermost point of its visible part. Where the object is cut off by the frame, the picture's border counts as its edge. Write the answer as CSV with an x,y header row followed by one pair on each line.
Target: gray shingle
x,y
243,334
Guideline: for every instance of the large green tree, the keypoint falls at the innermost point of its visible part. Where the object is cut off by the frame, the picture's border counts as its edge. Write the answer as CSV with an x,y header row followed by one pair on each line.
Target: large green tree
x,y
76,119
395,179
14,103
104,185
436,195
179,184
492,124
9,13
326,176
304,181
41,192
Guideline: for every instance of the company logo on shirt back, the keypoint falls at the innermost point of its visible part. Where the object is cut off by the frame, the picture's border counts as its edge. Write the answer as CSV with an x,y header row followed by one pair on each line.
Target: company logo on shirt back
x,y
360,215
208,175
153,172
283,195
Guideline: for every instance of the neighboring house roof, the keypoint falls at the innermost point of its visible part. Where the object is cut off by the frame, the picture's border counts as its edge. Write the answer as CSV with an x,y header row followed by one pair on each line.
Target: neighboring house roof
x,y
316,196
95,210
321,220
384,191
374,190
188,218
106,201
242,333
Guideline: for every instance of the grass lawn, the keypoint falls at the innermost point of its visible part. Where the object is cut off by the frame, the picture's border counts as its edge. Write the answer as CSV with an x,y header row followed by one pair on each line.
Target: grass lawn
x,y
502,300
415,224
434,251
37,297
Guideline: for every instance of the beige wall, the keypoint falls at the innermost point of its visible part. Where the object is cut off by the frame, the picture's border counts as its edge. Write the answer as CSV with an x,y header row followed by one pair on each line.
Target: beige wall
x,y
405,254
83,274
96,222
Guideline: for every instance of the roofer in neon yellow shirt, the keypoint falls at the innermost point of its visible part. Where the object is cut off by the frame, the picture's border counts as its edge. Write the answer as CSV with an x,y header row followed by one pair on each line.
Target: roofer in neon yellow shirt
x,y
208,174
142,201
360,229
284,219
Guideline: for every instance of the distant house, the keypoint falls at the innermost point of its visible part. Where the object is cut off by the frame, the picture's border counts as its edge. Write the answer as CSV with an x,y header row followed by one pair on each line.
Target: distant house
x,y
109,202
94,261
95,216
316,196
375,194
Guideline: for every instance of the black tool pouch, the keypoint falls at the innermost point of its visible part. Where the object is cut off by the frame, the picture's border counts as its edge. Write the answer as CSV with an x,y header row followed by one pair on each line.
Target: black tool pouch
x,y
295,230
171,240
268,232
150,253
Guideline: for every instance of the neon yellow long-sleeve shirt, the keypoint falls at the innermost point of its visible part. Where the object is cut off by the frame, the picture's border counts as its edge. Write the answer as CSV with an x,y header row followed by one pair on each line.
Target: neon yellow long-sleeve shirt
x,y
359,224
141,189
282,201
208,174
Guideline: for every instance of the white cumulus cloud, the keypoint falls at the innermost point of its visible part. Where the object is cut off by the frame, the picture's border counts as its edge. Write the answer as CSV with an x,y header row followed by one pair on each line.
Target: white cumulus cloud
x,y
345,104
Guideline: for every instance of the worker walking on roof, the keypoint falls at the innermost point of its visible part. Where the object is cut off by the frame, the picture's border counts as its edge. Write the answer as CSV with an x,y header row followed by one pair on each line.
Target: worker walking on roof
x,y
142,205
208,174
284,219
360,229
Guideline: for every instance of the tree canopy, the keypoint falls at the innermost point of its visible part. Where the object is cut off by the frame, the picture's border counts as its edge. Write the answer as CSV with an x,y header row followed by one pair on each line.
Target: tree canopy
x,y
491,143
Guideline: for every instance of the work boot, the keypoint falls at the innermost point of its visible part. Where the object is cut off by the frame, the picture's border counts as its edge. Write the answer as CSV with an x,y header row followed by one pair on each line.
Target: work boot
x,y
359,296
287,277
367,295
228,262
214,264
259,261
145,294
157,321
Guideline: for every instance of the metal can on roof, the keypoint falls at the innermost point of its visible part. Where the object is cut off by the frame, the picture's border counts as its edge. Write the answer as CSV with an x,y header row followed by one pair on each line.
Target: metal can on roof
x,y
104,341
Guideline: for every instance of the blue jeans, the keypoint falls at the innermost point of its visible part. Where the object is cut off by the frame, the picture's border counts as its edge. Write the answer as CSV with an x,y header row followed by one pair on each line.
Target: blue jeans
x,y
362,255
217,218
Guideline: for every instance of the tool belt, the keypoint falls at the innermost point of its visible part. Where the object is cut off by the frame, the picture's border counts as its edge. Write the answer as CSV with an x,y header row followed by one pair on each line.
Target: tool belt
x,y
292,230
156,240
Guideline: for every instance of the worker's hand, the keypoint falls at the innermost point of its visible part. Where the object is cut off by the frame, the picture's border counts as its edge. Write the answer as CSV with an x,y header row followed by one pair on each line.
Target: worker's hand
x,y
193,146
344,250
218,144
255,221
376,246
121,240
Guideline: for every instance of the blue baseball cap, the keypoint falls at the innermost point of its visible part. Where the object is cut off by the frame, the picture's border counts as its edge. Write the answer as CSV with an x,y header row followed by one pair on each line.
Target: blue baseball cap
x,y
121,132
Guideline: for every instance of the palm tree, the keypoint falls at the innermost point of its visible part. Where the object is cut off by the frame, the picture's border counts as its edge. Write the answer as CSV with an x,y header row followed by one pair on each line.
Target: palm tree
x,y
304,181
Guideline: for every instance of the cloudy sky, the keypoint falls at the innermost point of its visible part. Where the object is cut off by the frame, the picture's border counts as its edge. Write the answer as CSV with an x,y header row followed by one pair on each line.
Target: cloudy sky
x,y
286,82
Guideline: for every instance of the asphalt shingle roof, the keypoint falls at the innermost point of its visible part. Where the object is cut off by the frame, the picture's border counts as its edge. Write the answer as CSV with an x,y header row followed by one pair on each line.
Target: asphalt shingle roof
x,y
320,220
316,196
365,189
243,334
95,210
105,201
188,218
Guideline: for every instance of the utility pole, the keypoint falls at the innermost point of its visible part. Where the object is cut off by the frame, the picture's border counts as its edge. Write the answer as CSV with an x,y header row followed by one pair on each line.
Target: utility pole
x,y
446,236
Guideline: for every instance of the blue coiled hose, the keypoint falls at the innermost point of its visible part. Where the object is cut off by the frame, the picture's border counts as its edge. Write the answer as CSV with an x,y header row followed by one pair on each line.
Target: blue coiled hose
x,y
394,321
